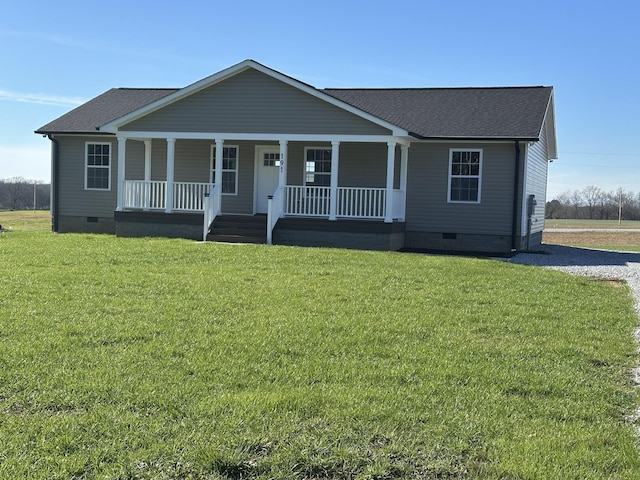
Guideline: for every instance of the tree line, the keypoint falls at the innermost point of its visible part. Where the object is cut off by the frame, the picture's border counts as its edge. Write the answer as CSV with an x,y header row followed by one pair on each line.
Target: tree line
x,y
18,193
594,203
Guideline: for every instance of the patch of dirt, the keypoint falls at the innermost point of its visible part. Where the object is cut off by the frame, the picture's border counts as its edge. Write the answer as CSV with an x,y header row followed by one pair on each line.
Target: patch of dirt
x,y
593,238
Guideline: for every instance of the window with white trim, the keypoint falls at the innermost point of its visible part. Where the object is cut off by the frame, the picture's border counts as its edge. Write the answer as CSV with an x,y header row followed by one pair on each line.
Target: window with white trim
x,y
317,170
270,159
229,168
97,173
465,172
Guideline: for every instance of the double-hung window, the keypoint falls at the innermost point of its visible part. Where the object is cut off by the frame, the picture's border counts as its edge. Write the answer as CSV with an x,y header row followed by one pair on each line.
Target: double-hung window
x,y
465,174
229,168
317,170
97,172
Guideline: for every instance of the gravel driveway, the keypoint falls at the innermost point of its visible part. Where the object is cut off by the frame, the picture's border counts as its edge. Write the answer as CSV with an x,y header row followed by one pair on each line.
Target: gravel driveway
x,y
588,262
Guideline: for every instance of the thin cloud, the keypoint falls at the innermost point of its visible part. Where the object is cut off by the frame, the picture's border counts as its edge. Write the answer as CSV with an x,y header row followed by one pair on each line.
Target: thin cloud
x,y
40,99
100,47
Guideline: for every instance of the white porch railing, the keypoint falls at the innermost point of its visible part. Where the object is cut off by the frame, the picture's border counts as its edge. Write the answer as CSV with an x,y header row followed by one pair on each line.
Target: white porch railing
x,y
352,202
212,201
307,201
152,195
190,196
275,210
143,194
361,202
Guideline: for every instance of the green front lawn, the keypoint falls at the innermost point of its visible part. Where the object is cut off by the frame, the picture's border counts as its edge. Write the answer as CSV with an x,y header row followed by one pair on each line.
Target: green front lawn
x,y
155,358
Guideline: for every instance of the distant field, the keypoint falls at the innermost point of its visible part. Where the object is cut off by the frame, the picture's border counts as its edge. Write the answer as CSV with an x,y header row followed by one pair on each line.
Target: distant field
x,y
26,220
578,223
597,236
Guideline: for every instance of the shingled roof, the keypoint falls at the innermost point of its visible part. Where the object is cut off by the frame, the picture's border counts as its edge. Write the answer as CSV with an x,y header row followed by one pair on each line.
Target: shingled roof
x,y
104,108
437,113
491,113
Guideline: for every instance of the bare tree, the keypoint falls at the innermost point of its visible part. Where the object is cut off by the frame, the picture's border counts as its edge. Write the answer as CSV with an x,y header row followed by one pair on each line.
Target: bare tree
x,y
18,193
593,202
592,196
576,201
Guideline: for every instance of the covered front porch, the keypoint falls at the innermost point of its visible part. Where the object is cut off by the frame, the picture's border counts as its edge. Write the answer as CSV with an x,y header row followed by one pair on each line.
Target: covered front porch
x,y
313,177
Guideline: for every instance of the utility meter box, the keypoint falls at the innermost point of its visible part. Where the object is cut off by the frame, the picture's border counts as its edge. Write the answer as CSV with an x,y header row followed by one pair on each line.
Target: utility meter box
x,y
531,205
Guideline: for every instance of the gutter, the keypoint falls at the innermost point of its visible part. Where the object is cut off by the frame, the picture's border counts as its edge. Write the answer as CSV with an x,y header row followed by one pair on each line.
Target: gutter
x,y
514,219
474,139
55,179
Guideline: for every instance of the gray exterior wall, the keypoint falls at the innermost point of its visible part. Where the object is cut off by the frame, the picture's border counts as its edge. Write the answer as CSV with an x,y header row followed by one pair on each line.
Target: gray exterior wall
x,y
427,208
254,102
86,224
74,200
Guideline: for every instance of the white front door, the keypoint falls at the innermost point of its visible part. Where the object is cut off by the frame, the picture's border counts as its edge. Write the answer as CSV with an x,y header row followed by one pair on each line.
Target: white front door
x,y
268,167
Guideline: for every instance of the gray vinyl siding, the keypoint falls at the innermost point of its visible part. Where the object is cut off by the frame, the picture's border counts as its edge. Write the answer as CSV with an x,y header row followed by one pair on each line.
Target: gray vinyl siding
x,y
427,206
254,102
74,200
134,160
536,180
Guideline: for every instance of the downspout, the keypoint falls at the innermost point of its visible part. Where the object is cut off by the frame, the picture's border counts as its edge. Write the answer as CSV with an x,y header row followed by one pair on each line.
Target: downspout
x,y
514,219
55,178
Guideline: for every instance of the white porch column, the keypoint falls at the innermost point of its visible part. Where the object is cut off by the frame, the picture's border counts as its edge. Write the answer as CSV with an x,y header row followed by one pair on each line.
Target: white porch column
x,y
333,197
171,148
122,145
404,160
391,157
147,173
282,178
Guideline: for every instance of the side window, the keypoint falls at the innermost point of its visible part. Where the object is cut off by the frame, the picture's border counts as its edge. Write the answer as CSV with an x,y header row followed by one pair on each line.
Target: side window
x,y
229,169
465,172
97,174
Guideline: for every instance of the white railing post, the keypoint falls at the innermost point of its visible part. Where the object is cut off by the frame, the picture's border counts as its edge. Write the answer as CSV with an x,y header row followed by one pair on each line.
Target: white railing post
x,y
275,210
269,219
211,208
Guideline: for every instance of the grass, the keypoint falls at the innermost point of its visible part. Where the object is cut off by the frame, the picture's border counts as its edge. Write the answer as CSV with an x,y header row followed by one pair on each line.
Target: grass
x,y
155,358
26,221
593,224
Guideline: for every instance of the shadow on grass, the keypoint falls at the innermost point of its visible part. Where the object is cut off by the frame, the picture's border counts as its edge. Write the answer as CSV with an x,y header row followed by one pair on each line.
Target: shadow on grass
x,y
565,256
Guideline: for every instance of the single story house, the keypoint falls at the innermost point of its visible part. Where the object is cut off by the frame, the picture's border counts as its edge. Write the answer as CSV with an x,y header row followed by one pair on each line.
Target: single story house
x,y
251,154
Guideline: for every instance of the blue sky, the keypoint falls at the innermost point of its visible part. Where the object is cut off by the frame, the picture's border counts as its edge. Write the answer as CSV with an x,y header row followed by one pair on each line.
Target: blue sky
x,y
55,55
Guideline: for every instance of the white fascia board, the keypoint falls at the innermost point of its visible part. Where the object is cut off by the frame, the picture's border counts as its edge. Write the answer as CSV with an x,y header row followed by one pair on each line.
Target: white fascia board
x,y
265,137
113,126
549,122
